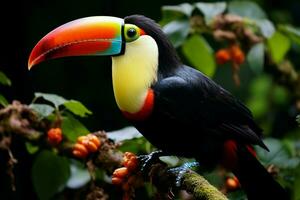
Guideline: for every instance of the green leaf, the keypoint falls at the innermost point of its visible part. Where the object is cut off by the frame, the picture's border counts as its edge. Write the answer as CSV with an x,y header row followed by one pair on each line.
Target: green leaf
x,y
258,101
181,11
199,54
4,80
177,31
266,27
210,10
53,98
247,9
50,173
292,32
278,46
79,175
32,149
77,108
43,110
255,58
278,154
72,128
280,95
126,133
3,101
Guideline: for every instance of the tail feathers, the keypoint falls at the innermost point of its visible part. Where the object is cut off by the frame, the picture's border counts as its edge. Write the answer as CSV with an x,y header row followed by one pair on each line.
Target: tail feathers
x,y
254,178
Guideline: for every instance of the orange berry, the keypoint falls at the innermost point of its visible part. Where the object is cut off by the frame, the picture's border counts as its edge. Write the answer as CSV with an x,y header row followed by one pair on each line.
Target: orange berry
x,y
232,183
94,139
237,54
116,180
81,139
91,147
54,136
121,172
79,154
80,151
223,56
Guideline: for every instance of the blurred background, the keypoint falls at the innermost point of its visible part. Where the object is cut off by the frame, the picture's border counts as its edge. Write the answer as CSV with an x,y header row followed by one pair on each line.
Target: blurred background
x,y
266,90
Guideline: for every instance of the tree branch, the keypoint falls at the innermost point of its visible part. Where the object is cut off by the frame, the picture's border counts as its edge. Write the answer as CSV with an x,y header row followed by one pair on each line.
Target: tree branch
x,y
200,187
20,120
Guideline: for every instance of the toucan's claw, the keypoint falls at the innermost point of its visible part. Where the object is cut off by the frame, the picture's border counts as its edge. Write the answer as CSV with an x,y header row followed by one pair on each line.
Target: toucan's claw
x,y
179,172
146,161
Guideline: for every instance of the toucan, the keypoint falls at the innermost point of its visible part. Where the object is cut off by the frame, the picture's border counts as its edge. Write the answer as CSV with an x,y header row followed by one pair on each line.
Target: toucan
x,y
176,107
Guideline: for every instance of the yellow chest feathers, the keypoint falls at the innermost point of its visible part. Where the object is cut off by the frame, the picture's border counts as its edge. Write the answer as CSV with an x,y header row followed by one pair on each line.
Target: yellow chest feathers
x,y
134,72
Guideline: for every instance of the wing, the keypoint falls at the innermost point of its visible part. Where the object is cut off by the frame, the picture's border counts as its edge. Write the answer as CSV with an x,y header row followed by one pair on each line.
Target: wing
x,y
193,98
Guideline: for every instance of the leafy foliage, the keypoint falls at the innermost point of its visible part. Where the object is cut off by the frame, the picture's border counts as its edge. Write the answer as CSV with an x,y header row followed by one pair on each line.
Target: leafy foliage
x,y
43,110
200,54
3,101
79,175
278,45
247,9
211,10
72,128
50,174
4,80
52,98
77,108
255,58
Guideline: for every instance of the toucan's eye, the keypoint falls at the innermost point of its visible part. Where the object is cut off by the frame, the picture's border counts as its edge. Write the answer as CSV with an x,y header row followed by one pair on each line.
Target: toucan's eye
x,y
131,32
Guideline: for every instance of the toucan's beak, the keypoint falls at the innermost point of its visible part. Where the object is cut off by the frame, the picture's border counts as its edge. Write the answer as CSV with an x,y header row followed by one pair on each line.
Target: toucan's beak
x,y
87,36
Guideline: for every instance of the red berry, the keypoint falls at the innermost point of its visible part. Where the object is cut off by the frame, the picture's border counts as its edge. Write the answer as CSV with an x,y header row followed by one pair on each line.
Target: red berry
x,y
237,54
54,136
223,56
232,183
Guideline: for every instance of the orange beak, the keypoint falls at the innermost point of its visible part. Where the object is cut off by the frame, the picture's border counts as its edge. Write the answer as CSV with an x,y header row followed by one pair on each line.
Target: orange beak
x,y
87,36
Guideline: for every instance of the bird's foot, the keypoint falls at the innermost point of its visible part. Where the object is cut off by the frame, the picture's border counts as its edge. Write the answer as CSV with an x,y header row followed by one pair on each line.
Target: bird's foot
x,y
146,161
179,172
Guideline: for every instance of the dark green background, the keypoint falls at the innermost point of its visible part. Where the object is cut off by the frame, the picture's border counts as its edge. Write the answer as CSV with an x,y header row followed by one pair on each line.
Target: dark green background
x,y
87,79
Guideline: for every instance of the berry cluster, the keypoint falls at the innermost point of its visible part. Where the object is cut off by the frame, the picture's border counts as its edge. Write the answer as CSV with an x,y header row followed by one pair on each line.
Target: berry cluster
x,y
233,53
127,176
85,145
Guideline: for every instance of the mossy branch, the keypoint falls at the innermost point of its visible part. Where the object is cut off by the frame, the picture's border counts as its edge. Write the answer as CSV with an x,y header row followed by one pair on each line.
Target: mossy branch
x,y
200,187
195,184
